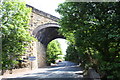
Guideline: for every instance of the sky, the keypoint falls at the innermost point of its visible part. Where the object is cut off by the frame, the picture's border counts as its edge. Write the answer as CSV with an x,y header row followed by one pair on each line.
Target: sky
x,y
64,45
49,6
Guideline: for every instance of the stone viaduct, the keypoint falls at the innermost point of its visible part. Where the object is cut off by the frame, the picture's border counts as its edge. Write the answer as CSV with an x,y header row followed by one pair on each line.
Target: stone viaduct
x,y
44,28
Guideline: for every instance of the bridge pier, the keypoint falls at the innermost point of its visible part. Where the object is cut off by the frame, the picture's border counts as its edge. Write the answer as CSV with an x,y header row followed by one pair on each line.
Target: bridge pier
x,y
41,55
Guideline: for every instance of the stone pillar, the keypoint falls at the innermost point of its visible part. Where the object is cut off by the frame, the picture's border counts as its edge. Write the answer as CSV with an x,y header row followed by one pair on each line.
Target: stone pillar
x,y
41,54
34,51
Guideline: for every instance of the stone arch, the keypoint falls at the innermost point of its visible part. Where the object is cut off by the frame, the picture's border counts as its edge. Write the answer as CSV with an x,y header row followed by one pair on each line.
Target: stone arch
x,y
44,27
47,32
44,34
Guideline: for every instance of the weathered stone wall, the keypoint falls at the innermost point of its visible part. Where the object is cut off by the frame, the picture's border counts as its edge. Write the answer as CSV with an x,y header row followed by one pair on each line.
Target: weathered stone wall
x,y
34,51
37,20
39,50
41,54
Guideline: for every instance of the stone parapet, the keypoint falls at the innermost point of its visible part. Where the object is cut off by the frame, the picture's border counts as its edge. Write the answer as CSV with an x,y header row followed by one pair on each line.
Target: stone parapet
x,y
39,12
93,74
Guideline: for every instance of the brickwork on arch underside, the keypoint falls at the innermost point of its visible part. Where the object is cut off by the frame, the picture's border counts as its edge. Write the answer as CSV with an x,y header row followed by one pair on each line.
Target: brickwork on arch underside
x,y
45,35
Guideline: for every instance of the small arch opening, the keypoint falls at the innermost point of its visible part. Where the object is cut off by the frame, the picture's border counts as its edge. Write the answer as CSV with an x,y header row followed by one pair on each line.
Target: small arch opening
x,y
56,51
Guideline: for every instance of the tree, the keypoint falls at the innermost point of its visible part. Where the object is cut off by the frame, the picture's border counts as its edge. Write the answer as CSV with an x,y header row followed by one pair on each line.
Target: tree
x,y
96,34
14,17
72,54
53,51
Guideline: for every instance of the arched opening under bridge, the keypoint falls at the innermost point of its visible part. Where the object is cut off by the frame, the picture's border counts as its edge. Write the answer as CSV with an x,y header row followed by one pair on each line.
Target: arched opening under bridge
x,y
45,34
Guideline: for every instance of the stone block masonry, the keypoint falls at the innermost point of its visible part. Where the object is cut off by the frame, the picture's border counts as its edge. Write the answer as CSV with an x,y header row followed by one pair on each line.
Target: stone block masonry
x,y
37,49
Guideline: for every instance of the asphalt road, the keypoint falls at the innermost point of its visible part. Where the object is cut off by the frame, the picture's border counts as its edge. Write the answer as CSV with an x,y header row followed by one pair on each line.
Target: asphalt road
x,y
65,70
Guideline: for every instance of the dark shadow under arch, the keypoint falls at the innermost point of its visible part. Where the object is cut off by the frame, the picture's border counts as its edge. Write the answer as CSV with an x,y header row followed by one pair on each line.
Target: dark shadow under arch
x,y
47,32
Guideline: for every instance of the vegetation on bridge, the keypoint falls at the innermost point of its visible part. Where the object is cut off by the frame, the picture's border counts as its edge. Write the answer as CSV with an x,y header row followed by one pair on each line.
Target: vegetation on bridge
x,y
94,32
14,17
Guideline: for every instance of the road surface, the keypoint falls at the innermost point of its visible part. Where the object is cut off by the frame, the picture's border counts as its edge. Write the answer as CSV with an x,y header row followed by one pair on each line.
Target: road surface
x,y
65,70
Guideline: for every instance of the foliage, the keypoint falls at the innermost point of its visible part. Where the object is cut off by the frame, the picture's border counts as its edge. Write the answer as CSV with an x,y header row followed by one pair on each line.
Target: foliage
x,y
96,34
72,54
14,17
53,51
